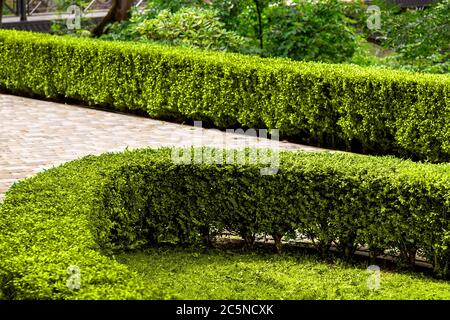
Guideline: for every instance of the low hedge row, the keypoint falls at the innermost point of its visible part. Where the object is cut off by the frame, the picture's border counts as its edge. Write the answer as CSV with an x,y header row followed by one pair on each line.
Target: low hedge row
x,y
82,212
380,111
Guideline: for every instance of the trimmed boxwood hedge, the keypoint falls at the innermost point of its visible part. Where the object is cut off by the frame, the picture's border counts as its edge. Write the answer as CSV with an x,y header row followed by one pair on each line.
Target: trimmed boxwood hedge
x,y
82,212
362,109
48,223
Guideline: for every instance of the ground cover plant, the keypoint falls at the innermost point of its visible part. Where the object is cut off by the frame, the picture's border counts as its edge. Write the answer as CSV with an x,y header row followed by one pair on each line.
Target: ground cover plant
x,y
233,274
419,39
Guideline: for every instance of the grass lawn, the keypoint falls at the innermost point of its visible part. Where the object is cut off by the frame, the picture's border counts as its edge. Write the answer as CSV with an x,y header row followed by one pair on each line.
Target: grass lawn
x,y
227,274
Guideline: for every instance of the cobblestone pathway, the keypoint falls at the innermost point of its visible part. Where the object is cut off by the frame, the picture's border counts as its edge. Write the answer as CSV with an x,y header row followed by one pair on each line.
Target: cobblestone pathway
x,y
37,135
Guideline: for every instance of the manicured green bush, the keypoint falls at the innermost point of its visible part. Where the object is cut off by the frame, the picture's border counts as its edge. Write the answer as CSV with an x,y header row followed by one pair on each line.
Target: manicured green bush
x,y
80,213
380,111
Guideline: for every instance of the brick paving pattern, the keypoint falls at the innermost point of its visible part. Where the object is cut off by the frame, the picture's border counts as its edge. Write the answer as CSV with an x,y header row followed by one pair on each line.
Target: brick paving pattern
x,y
37,135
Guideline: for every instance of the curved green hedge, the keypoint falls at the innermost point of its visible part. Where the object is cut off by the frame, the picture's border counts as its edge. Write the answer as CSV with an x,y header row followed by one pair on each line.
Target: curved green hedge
x,y
81,212
381,111
49,223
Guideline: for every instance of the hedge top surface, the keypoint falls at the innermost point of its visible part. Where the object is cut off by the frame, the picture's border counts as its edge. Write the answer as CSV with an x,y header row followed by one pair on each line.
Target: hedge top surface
x,y
239,61
79,213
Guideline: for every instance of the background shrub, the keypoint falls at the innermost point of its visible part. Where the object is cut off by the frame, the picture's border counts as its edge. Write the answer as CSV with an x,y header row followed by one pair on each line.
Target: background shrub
x,y
310,31
341,199
301,31
190,27
54,221
419,40
194,27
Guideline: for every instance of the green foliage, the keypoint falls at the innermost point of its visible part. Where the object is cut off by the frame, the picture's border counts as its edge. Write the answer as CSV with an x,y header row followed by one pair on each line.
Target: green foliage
x,y
62,5
189,27
345,106
370,54
420,38
173,5
234,275
81,212
127,30
311,31
48,225
230,10
193,27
